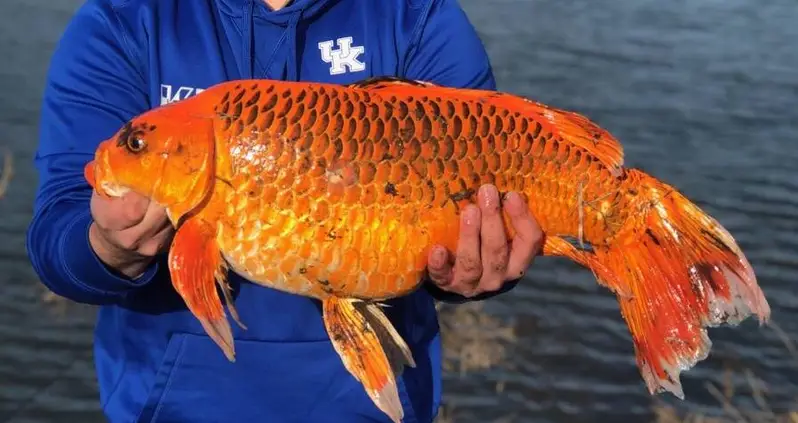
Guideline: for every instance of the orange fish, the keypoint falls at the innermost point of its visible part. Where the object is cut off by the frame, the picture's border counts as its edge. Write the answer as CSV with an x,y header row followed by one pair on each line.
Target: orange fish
x,y
338,192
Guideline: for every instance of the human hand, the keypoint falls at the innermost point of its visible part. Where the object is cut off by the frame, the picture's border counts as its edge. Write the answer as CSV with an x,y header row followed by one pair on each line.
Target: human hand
x,y
485,260
128,232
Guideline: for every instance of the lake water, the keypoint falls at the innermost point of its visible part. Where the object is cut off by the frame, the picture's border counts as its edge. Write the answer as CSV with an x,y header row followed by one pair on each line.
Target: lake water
x,y
701,94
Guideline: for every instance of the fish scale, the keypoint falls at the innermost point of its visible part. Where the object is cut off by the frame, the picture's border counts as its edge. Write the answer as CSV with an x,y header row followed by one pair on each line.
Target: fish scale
x,y
329,150
338,192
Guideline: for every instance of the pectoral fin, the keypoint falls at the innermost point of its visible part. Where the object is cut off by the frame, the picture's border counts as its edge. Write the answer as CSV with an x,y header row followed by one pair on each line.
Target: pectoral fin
x,y
370,348
196,266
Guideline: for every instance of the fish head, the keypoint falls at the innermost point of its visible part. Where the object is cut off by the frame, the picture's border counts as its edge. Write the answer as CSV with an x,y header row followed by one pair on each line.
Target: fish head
x,y
164,156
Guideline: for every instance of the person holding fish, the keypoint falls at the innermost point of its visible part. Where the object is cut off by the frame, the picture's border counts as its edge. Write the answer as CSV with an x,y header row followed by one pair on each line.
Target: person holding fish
x,y
154,361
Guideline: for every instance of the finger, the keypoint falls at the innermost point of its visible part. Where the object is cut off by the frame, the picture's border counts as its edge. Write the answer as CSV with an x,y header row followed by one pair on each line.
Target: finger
x,y
528,239
117,214
153,222
494,248
467,264
439,266
158,243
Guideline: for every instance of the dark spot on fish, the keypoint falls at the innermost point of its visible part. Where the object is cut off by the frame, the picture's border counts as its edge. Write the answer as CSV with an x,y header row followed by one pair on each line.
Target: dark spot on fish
x,y
338,126
124,134
450,109
426,129
286,107
472,128
575,242
226,97
716,240
419,110
239,128
652,236
254,99
538,128
409,129
303,270
314,97
403,110
310,120
457,126
286,94
282,126
555,144
436,110
301,96
300,111
239,96
270,103
152,128
361,111
390,189
349,108
237,109
325,104
631,191
379,129
336,105
253,114
497,125
462,195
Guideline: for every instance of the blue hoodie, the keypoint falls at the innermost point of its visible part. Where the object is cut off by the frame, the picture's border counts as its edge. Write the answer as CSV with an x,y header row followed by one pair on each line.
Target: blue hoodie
x,y
118,58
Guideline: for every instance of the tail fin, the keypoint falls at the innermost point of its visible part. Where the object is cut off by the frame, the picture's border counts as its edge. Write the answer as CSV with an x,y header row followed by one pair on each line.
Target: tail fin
x,y
677,271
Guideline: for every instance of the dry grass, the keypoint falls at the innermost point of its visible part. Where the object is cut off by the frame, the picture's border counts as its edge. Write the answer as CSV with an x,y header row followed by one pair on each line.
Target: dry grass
x,y
6,172
472,341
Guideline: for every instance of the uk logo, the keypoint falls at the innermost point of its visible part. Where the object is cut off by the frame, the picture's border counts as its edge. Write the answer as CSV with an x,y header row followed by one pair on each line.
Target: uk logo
x,y
343,58
170,95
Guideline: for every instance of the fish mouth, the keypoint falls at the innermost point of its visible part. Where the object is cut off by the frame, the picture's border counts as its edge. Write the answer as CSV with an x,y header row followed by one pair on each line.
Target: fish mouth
x,y
110,189
102,181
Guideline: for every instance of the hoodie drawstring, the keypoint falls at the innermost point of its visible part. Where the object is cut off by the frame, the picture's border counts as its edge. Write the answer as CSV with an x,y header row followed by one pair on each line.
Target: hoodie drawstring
x,y
248,39
293,61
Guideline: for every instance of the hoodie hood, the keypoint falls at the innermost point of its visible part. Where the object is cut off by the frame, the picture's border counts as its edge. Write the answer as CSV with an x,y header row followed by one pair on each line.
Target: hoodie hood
x,y
249,15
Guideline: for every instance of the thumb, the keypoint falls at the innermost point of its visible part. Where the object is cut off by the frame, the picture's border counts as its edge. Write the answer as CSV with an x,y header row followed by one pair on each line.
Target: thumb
x,y
439,265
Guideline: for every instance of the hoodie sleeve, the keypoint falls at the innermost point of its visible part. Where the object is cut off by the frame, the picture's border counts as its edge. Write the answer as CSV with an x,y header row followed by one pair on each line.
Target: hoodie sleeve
x,y
92,88
447,50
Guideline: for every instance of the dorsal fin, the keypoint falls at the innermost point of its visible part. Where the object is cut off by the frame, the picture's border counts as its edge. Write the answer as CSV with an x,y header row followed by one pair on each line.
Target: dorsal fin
x,y
379,82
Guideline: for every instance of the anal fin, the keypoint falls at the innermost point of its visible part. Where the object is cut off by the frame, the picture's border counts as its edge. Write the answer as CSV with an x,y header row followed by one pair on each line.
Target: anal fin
x,y
196,266
370,348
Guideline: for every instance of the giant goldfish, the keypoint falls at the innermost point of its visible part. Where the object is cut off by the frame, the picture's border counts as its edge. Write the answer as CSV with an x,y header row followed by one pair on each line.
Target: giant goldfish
x,y
337,192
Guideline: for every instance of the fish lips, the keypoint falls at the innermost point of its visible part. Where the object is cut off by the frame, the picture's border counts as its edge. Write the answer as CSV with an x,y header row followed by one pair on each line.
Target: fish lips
x,y
100,179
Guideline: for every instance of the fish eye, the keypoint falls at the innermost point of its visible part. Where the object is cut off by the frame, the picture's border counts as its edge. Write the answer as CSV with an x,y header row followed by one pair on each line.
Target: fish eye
x,y
135,144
